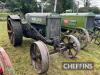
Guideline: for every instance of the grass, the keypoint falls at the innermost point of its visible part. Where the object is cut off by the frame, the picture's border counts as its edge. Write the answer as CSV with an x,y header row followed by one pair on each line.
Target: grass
x,y
20,57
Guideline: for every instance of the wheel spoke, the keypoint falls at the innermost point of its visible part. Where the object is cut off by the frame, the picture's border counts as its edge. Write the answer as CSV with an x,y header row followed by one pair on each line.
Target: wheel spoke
x,y
73,45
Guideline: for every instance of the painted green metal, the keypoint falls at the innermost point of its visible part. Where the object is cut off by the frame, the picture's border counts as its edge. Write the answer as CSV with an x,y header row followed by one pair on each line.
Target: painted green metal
x,y
77,25
48,23
39,18
81,19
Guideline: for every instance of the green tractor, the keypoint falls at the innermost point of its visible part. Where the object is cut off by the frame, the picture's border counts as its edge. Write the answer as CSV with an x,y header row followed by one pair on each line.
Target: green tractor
x,y
45,28
75,24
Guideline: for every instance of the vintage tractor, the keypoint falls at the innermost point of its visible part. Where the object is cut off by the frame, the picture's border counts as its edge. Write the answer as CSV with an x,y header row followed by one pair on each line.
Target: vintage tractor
x,y
46,29
6,67
69,26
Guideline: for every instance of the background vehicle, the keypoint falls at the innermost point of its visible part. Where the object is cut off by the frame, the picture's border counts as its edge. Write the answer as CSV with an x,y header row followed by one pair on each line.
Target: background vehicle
x,y
75,24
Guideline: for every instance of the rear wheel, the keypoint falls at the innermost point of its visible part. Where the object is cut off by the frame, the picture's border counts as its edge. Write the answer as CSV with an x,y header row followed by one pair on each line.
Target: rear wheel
x,y
39,56
14,31
97,37
72,46
5,63
82,35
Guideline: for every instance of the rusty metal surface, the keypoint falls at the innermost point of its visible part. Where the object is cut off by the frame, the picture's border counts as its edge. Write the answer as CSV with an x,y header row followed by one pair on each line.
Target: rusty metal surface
x,y
72,45
40,61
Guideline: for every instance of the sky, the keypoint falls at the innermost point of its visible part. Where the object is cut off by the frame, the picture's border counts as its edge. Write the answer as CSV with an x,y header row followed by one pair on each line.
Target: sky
x,y
93,3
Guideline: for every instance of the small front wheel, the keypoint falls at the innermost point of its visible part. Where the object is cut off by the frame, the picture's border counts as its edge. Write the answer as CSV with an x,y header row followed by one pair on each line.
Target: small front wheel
x,y
39,56
72,46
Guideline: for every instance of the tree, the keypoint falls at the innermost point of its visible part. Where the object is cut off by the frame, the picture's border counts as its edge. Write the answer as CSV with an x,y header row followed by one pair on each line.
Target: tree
x,y
3,0
11,4
23,6
27,6
95,10
86,3
62,5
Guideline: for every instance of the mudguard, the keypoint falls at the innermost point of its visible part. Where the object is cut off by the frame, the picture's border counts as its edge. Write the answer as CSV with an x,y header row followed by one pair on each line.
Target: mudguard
x,y
15,17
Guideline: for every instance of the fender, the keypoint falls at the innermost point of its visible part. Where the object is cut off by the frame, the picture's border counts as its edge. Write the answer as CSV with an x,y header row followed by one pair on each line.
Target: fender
x,y
14,17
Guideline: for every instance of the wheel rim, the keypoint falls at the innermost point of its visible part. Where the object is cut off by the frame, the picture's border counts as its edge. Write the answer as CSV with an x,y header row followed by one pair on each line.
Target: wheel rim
x,y
97,37
83,39
36,57
10,31
15,32
73,46
39,56
83,36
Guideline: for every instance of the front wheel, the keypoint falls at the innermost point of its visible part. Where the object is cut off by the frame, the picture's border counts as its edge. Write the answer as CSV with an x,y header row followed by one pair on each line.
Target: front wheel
x,y
72,45
39,56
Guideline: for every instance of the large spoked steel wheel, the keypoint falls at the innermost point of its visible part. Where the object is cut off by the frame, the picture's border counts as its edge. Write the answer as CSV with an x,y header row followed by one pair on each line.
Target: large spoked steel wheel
x,y
97,37
5,63
83,36
39,56
14,31
72,46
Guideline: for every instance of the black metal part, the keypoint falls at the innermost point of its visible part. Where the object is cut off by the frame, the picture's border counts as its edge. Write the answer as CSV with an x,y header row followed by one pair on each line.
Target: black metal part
x,y
31,32
15,32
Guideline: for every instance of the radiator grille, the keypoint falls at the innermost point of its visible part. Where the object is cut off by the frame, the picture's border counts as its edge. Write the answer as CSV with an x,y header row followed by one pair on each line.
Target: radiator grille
x,y
53,28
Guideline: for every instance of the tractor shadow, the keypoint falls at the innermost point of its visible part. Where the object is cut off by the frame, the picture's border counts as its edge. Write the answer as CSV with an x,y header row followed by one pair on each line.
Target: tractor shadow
x,y
27,42
43,74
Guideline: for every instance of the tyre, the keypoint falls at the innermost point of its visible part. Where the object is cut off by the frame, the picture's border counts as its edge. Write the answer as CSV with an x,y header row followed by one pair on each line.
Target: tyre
x,y
15,32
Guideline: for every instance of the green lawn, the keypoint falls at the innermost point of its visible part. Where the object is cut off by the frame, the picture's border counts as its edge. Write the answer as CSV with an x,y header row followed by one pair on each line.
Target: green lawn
x,y
20,57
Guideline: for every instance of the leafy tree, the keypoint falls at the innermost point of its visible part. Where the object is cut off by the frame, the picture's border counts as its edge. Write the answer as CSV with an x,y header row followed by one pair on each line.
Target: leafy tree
x,y
3,0
31,5
62,5
27,6
11,4
23,6
95,10
86,3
